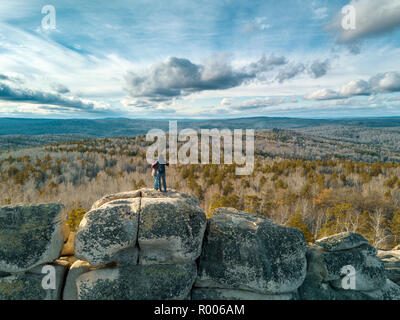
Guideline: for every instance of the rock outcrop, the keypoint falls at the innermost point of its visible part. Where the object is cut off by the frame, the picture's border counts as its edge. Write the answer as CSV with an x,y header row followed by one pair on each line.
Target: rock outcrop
x,y
152,239
108,230
139,282
145,244
251,253
344,267
29,236
391,260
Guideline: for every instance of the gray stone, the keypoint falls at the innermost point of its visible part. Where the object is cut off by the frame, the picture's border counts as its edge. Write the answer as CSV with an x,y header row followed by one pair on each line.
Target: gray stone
x,y
152,282
28,285
105,231
145,193
342,241
171,230
229,294
390,291
249,252
127,257
29,236
393,274
327,266
314,289
78,268
117,197
370,274
172,194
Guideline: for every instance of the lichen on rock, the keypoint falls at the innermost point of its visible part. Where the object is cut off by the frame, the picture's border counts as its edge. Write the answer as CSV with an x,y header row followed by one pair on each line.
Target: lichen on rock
x,y
29,236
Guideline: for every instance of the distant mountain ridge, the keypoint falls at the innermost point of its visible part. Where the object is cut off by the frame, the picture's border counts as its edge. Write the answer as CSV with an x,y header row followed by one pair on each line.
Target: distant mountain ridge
x,y
132,127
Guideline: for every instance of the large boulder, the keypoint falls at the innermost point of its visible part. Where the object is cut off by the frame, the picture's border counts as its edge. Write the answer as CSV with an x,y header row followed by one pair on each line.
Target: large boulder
x,y
342,241
30,236
328,266
29,285
106,231
243,251
338,261
171,230
153,282
390,291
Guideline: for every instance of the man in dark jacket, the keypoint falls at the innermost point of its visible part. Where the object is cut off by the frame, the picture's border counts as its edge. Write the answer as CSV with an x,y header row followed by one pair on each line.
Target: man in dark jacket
x,y
161,172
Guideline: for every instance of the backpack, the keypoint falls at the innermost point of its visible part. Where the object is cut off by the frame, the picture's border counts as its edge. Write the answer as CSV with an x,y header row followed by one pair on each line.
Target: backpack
x,y
154,168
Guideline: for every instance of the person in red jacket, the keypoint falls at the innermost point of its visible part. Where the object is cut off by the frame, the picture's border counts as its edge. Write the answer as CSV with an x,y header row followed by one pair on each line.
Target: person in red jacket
x,y
159,173
154,173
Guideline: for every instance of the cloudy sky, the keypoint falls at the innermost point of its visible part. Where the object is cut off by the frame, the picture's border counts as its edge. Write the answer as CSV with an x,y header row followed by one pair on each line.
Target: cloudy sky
x,y
199,59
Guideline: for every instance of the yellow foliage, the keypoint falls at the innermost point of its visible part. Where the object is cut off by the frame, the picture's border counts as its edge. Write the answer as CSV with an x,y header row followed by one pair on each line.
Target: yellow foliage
x,y
297,222
75,216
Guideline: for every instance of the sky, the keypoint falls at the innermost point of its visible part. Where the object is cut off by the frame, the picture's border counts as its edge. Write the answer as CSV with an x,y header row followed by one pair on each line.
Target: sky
x,y
199,59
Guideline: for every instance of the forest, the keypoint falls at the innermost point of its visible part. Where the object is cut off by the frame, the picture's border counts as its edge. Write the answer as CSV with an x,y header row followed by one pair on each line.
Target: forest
x,y
299,180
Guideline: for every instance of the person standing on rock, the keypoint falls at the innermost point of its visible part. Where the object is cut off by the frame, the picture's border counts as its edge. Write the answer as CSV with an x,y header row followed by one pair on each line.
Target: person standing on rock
x,y
154,173
161,172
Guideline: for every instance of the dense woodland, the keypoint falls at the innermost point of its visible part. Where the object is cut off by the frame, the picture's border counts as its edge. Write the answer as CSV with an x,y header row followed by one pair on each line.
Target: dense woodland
x,y
300,184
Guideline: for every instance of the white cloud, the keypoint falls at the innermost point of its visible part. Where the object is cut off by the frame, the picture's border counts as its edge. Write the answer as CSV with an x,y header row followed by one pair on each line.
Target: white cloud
x,y
381,83
320,13
356,88
386,82
372,18
226,101
41,62
258,103
323,94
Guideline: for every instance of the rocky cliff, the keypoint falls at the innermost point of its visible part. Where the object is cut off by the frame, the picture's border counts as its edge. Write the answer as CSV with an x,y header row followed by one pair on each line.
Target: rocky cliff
x,y
149,245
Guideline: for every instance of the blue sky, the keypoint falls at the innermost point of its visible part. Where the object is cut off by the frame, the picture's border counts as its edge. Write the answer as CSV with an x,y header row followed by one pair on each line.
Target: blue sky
x,y
199,59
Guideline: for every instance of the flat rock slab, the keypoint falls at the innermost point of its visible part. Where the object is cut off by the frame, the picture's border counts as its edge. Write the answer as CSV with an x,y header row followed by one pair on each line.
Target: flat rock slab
x,y
29,236
145,193
342,241
106,231
248,252
228,294
171,230
28,286
153,282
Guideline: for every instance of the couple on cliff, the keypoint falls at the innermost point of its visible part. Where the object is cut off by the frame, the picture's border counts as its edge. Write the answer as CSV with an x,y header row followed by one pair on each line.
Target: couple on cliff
x,y
158,172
